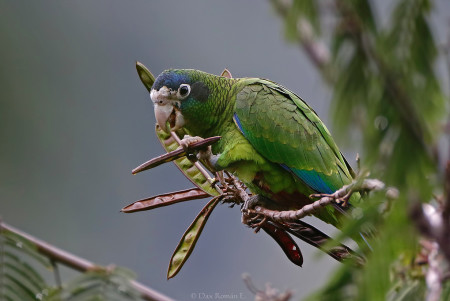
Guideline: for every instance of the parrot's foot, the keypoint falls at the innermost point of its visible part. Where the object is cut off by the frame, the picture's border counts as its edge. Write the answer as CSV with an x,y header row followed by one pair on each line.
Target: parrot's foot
x,y
204,154
257,223
189,140
249,216
343,201
230,196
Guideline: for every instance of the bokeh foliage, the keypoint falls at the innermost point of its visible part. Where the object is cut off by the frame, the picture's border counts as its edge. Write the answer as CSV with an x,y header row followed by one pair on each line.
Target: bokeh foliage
x,y
24,274
19,279
386,91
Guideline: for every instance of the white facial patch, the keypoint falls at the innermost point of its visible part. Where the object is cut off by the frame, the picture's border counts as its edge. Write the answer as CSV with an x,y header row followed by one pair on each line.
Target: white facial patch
x,y
163,96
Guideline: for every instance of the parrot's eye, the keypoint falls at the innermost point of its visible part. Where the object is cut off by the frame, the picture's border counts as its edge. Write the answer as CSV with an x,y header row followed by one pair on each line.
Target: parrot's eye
x,y
184,90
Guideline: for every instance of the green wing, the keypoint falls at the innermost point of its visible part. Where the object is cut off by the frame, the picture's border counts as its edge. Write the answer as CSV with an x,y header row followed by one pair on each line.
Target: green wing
x,y
285,130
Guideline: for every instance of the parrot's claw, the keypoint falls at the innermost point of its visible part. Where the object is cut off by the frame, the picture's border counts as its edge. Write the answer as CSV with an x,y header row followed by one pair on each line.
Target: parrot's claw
x,y
188,140
258,225
253,219
204,154
248,214
343,202
229,198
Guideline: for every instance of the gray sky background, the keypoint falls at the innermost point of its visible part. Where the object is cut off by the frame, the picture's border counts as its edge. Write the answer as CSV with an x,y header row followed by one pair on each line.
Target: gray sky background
x,y
75,119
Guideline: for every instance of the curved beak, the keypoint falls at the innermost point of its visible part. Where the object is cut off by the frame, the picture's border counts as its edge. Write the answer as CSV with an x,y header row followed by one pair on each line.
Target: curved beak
x,y
167,115
162,114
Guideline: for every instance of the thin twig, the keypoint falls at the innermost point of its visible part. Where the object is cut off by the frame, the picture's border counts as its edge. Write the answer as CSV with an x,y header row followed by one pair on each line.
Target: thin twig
x,y
77,263
298,228
292,215
56,273
292,223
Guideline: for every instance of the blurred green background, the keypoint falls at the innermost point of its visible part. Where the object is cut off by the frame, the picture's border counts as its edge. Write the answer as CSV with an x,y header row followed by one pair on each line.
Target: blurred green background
x,y
75,119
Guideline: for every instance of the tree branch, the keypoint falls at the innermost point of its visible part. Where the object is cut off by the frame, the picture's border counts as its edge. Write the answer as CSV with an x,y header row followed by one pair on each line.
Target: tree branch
x,y
77,263
326,199
234,192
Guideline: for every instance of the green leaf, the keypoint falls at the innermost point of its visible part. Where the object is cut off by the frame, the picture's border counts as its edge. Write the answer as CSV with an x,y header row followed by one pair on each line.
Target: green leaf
x,y
99,284
24,271
27,292
24,246
19,280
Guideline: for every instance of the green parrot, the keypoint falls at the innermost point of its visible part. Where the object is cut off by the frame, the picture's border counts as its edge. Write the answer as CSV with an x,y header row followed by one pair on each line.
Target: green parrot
x,y
271,139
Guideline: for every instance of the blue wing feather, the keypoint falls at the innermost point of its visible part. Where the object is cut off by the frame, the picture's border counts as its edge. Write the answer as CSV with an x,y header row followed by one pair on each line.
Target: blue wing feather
x,y
311,178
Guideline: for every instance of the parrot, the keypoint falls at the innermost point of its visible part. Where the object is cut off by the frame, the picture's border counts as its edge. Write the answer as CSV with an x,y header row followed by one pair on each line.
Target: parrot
x,y
272,140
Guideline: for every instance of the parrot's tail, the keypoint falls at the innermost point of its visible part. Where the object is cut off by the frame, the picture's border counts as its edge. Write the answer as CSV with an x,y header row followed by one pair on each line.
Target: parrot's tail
x,y
362,234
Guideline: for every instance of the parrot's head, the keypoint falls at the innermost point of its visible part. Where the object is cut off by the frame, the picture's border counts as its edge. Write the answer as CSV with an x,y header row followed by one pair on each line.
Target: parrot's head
x,y
184,98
